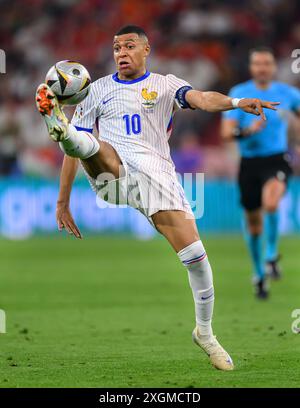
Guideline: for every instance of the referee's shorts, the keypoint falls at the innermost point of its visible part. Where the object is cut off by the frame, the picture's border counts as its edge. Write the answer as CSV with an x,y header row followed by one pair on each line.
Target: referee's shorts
x,y
255,172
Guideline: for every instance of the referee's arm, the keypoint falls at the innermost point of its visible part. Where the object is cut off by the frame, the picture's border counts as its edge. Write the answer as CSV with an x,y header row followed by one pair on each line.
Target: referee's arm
x,y
230,129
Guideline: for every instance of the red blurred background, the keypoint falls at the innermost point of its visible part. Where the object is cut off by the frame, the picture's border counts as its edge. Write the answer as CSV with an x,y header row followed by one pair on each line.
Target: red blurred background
x,y
204,42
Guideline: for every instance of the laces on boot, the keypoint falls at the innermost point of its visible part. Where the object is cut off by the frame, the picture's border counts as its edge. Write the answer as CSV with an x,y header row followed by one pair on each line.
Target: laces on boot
x,y
44,100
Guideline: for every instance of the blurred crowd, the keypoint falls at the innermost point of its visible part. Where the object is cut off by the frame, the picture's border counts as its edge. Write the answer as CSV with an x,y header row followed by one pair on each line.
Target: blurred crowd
x,y
203,41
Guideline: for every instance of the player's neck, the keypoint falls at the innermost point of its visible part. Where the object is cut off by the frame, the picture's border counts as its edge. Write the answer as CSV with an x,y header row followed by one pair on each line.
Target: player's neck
x,y
136,75
262,85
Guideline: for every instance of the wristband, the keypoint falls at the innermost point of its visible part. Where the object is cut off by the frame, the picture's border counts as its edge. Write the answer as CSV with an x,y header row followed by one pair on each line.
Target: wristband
x,y
235,102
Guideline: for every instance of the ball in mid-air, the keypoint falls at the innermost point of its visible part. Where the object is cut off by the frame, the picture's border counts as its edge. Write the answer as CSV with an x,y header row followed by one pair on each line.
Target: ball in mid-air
x,y
70,81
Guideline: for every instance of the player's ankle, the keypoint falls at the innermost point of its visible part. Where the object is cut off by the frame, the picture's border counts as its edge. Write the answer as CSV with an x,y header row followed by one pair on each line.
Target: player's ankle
x,y
78,143
204,331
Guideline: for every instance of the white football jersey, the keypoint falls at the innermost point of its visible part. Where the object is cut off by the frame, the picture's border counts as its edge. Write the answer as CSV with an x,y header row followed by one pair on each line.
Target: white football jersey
x,y
135,117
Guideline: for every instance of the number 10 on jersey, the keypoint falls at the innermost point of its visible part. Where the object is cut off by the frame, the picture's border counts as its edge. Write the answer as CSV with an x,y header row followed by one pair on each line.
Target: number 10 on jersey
x,y
132,124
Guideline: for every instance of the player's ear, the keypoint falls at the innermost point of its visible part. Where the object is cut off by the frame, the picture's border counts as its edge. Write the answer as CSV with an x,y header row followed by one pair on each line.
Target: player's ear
x,y
147,49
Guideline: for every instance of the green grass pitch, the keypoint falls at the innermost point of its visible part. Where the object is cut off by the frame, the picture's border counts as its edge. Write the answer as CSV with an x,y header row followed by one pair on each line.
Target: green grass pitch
x,y
115,312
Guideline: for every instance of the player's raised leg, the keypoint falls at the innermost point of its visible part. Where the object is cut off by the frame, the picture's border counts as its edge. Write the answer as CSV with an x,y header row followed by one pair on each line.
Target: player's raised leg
x,y
182,234
73,142
273,191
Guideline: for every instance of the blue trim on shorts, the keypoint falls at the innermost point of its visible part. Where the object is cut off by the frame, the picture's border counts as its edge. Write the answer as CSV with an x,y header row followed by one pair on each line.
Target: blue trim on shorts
x,y
84,129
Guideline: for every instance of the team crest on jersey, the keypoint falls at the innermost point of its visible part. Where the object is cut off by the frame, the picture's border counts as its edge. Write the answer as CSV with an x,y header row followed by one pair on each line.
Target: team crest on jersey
x,y
149,98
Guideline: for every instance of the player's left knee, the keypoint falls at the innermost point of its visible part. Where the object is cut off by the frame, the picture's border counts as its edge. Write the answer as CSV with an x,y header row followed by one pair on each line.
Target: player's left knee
x,y
193,254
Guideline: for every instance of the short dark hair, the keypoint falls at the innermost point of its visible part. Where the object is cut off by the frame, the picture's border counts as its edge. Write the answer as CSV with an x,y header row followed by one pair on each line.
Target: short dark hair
x,y
261,48
131,28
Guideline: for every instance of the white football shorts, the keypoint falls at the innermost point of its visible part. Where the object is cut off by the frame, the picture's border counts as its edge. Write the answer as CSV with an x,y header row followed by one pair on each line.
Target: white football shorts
x,y
148,193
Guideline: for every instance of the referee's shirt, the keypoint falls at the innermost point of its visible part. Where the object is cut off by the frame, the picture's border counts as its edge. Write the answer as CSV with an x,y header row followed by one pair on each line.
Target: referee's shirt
x,y
272,138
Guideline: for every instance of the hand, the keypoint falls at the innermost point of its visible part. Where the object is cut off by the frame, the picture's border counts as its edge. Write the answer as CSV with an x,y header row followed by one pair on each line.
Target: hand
x,y
256,126
255,106
65,220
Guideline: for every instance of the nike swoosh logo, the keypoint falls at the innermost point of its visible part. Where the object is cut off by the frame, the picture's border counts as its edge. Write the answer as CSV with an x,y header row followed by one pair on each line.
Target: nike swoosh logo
x,y
104,102
204,298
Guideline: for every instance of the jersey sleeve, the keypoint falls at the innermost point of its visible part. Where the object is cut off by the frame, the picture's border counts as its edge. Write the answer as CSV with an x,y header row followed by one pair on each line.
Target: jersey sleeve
x,y
178,89
295,98
85,114
234,114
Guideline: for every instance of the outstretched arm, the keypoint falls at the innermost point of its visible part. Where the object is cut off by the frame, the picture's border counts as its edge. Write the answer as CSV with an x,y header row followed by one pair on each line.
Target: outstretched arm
x,y
217,102
63,214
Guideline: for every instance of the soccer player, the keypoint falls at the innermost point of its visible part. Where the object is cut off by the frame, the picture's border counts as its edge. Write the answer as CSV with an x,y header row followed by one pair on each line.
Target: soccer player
x,y
264,167
133,109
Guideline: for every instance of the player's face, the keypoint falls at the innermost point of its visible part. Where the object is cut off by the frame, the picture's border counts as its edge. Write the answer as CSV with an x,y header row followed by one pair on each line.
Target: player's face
x,y
130,52
262,67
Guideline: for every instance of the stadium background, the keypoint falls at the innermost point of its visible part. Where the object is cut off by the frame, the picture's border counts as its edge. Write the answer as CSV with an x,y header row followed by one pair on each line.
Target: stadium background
x,y
112,310
204,42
